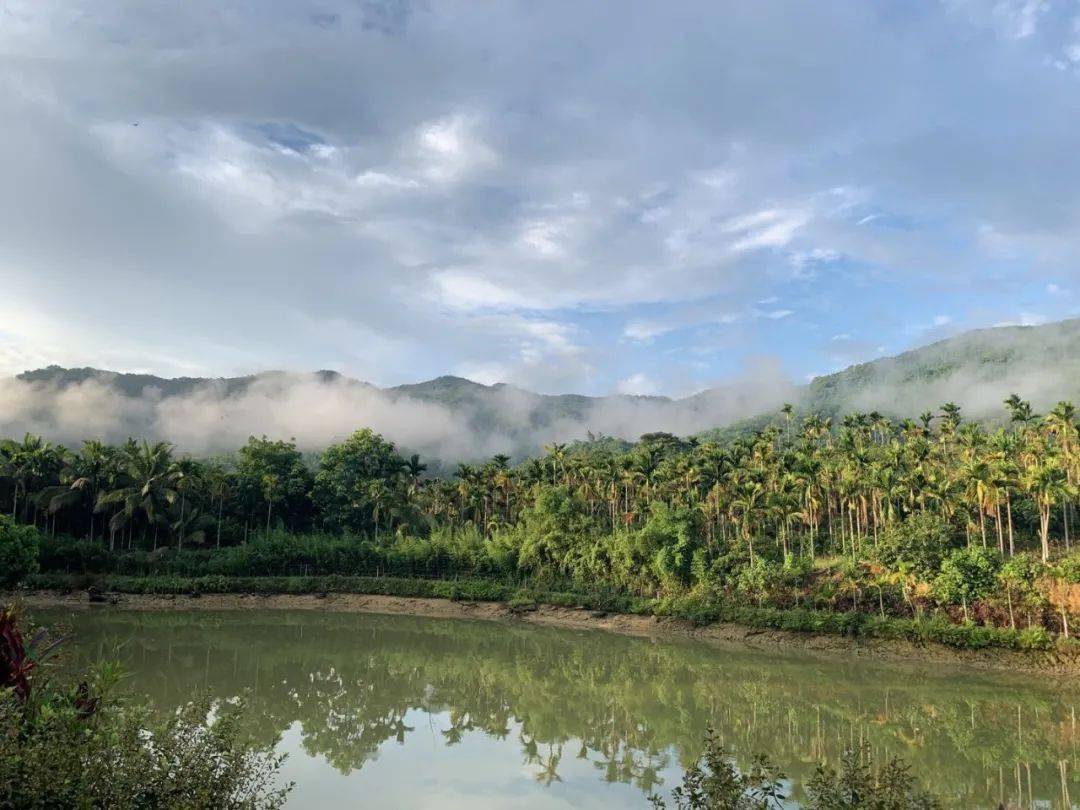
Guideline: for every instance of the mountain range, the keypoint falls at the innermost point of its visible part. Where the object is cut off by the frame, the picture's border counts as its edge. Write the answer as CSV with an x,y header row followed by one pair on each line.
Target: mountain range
x,y
449,415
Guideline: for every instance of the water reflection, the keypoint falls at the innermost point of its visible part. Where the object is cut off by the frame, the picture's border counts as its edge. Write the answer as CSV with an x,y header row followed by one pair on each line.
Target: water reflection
x,y
530,712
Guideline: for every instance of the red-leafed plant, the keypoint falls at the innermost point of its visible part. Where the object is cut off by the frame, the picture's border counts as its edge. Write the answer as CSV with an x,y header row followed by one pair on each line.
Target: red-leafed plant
x,y
19,658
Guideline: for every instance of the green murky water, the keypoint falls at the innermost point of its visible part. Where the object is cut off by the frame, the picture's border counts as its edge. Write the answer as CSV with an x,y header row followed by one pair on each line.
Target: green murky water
x,y
393,711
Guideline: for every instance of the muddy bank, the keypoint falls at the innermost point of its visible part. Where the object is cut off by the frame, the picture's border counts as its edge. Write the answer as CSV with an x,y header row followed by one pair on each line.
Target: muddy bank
x,y
1051,662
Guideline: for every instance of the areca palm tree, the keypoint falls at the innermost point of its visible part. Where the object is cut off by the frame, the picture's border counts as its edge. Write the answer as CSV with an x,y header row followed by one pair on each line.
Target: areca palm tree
x,y
219,484
381,498
1046,484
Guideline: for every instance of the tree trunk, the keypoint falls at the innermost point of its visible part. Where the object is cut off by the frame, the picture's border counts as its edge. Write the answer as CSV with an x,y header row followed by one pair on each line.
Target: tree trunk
x,y
997,524
1008,512
1065,523
1044,531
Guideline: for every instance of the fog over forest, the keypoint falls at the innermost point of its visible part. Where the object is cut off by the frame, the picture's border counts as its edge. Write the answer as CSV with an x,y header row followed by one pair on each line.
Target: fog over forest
x,y
464,421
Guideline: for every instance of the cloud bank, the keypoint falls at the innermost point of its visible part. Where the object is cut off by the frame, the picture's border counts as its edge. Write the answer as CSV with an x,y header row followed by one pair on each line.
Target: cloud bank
x,y
454,420
316,412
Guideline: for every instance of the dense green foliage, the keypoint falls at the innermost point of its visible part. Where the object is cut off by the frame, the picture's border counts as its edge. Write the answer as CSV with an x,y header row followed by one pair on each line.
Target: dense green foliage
x,y
715,783
69,743
18,552
910,521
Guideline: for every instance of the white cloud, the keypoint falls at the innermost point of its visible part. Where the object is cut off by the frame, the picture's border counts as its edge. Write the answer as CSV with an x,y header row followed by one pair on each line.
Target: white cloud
x,y
1024,319
777,314
637,385
449,149
395,179
463,291
770,228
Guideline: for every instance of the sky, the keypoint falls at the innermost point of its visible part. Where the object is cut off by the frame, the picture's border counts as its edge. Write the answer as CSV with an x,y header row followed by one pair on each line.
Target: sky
x,y
630,197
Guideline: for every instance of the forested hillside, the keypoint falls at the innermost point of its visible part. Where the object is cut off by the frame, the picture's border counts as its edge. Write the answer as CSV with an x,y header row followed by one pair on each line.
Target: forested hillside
x,y
455,419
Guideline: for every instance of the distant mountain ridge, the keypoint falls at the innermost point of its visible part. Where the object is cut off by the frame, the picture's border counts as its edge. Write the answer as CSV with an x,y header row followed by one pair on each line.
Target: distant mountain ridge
x,y
977,369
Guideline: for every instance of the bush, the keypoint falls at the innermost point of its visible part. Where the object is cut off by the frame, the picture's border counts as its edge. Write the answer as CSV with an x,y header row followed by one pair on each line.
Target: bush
x,y
714,782
966,575
75,556
920,542
18,552
857,786
68,743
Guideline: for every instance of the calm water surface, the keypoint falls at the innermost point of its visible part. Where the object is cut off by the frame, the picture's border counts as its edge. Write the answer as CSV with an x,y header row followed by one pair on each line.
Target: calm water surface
x,y
394,711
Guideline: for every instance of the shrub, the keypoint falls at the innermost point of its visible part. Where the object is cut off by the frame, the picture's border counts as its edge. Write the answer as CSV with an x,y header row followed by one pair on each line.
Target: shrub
x,y
921,542
18,552
966,575
714,782
856,785
69,743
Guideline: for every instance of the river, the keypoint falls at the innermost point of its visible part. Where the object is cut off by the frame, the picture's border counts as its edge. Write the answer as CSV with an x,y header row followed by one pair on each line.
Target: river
x,y
400,711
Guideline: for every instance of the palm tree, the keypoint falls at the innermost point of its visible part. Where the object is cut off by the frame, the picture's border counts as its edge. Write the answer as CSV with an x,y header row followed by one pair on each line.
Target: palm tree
x,y
1019,410
414,472
1046,483
185,476
271,491
220,487
381,498
148,489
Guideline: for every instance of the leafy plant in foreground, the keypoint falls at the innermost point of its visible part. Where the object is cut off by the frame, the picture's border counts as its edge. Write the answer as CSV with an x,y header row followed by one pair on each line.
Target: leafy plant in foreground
x,y
715,783
71,744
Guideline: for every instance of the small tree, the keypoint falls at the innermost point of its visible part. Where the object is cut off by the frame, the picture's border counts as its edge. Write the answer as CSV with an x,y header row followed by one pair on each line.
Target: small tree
x,y
1017,576
18,552
714,783
966,575
856,786
1063,589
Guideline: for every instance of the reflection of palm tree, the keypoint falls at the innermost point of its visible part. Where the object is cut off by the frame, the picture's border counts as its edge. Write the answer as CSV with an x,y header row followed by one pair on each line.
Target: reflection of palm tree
x,y
549,770
626,705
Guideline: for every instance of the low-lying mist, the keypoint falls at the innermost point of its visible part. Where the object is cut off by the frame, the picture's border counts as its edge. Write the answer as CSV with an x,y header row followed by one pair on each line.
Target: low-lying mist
x,y
977,371
316,412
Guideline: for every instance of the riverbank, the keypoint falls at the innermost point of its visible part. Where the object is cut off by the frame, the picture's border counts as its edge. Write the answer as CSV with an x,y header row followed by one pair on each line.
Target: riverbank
x,y
1058,661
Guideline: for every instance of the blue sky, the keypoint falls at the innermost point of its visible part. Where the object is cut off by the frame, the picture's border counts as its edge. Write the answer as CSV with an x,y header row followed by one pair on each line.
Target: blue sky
x,y
636,197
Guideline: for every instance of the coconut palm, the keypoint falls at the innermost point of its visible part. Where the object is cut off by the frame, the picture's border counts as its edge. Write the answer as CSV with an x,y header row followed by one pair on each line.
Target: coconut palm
x,y
147,490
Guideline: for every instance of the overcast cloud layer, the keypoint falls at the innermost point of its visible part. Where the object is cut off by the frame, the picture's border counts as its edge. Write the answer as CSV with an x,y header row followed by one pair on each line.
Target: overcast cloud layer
x,y
634,197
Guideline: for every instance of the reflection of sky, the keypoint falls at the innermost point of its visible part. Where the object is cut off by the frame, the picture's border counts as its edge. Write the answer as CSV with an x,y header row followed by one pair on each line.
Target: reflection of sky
x,y
345,685
477,773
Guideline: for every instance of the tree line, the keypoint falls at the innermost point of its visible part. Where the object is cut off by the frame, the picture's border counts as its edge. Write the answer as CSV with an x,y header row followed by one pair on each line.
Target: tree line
x,y
812,489
888,508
